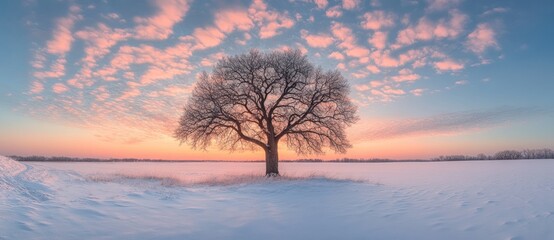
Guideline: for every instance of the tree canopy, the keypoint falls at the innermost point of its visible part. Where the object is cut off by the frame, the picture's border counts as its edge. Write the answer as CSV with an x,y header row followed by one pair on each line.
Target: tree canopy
x,y
257,99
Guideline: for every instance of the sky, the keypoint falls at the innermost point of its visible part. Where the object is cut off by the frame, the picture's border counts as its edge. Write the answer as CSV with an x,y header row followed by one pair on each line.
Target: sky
x,y
430,77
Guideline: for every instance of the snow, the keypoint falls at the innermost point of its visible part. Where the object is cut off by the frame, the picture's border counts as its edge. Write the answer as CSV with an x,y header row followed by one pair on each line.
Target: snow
x,y
441,200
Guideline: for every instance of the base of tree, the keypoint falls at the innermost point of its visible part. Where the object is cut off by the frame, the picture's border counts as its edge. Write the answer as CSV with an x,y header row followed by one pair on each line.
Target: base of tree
x,y
271,175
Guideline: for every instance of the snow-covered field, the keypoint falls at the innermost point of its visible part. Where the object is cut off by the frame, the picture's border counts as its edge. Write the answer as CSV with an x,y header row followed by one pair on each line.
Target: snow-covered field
x,y
447,200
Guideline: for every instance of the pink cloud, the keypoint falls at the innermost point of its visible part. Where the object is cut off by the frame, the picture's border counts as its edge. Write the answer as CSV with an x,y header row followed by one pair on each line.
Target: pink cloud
x,y
417,92
448,65
99,40
377,20
208,37
383,59
378,92
357,52
482,38
378,40
59,88
161,63
62,37
316,40
359,74
36,87
175,91
57,70
333,12
373,69
392,91
100,93
405,75
451,28
231,19
245,39
362,87
39,60
160,26
130,93
375,84
426,30
269,21
321,3
336,56
437,5
348,41
350,4
212,59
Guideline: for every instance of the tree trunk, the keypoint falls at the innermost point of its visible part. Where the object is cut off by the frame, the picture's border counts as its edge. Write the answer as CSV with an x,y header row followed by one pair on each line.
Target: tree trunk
x,y
272,161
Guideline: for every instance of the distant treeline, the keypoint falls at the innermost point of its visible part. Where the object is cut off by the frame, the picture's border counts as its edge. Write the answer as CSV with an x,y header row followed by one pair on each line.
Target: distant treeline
x,y
73,159
544,153
352,160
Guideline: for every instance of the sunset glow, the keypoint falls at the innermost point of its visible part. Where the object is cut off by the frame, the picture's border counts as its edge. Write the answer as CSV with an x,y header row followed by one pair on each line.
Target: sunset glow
x,y
109,79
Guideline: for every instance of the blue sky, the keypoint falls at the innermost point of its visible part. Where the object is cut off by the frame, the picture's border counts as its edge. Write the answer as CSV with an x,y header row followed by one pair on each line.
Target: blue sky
x,y
430,77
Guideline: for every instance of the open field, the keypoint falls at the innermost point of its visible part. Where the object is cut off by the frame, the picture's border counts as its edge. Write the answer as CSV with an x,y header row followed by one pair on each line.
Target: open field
x,y
432,200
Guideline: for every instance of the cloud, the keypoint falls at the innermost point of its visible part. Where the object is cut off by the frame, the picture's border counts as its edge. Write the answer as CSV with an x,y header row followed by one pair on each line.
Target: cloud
x,y
482,38
208,37
62,37
333,12
269,21
113,16
378,40
59,88
383,58
448,65
360,74
417,92
426,30
321,3
348,41
377,20
161,64
36,87
59,45
461,82
405,75
160,26
361,87
212,59
226,21
385,94
316,40
392,91
437,5
373,69
336,56
450,123
495,11
371,85
350,4
57,70
230,19
99,40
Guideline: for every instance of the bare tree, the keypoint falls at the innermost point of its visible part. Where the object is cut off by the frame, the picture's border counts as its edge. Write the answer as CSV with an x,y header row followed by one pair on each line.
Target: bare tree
x,y
257,99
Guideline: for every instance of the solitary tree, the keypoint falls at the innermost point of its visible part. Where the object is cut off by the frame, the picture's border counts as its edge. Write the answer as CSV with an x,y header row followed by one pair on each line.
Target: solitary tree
x,y
258,99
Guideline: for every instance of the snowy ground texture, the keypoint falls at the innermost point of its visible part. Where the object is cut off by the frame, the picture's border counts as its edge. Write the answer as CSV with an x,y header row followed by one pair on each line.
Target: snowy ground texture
x,y
448,200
